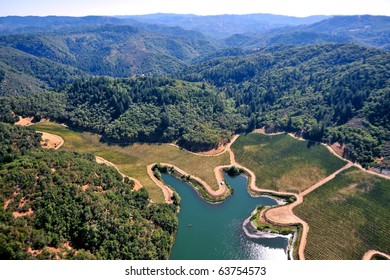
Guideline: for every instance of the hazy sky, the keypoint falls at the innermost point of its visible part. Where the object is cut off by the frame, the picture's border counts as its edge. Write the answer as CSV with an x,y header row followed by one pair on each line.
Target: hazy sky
x,y
200,7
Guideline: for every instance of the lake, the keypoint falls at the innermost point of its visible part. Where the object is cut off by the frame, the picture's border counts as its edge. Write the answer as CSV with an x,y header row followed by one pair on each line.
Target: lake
x,y
214,231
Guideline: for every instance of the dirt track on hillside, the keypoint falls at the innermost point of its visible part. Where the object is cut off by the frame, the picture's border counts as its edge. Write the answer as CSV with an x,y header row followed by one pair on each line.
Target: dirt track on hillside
x,y
282,215
137,184
369,254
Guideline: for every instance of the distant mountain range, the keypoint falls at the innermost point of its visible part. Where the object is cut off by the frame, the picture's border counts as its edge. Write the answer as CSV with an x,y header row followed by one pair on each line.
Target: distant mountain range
x,y
190,80
325,77
114,50
214,26
222,26
367,30
163,44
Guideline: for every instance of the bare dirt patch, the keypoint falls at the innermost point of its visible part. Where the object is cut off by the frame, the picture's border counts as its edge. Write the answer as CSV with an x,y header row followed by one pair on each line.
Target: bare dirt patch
x,y
51,141
34,253
7,202
64,248
259,130
24,121
20,214
22,202
338,148
269,131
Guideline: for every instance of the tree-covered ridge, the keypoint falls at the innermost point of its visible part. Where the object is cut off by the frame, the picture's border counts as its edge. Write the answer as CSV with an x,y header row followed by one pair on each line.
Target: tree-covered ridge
x,y
30,62
194,115
23,73
65,205
366,30
114,50
319,90
363,29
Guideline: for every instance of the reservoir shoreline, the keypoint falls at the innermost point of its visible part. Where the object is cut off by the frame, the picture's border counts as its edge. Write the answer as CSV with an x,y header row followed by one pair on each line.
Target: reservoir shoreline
x,y
217,229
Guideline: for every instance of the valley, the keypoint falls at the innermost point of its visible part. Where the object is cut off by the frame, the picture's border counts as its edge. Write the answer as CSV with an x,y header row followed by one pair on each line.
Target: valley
x,y
150,120
256,185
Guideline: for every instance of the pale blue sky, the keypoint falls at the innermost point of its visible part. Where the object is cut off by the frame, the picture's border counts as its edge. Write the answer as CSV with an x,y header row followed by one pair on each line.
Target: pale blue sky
x,y
201,7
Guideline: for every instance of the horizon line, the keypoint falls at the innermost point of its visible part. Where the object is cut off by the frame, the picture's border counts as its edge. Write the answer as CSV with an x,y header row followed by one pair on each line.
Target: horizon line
x,y
185,14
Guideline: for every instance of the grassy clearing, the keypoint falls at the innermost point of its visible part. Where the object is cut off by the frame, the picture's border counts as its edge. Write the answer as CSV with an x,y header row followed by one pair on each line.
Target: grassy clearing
x,y
132,160
347,216
283,163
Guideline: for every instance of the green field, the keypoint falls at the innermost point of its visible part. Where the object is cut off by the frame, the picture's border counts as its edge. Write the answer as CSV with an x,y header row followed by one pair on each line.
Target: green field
x,y
283,163
347,216
132,160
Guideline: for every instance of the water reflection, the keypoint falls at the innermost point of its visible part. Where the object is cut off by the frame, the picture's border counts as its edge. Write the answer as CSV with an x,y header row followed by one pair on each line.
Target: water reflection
x,y
215,231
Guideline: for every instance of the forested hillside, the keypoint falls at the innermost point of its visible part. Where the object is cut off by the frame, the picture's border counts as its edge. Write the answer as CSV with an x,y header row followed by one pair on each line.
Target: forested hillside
x,y
366,30
329,92
222,26
49,24
194,115
24,73
65,205
133,79
114,50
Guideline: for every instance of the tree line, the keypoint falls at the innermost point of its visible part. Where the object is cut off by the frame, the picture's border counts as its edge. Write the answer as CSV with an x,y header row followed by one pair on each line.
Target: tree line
x,y
73,208
329,93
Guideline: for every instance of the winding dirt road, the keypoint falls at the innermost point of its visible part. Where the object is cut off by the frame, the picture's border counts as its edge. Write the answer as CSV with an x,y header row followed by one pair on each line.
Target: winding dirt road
x,y
218,171
284,215
54,141
137,184
369,254
281,215
168,191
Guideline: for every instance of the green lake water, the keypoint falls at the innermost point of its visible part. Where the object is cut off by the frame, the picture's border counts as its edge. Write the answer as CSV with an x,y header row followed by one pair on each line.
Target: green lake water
x,y
215,231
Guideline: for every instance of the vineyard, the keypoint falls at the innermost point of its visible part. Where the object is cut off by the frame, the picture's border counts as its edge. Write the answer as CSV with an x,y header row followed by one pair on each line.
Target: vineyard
x,y
283,163
347,216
